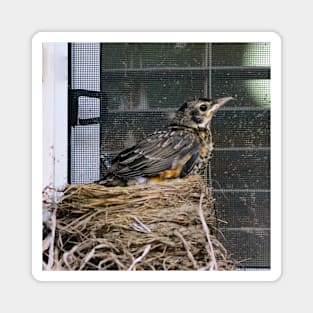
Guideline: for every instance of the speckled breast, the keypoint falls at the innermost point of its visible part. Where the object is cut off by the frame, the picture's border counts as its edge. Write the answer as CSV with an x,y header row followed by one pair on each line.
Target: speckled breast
x,y
206,141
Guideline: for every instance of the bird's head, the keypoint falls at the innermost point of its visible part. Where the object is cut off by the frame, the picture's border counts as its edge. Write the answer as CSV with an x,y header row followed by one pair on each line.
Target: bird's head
x,y
197,114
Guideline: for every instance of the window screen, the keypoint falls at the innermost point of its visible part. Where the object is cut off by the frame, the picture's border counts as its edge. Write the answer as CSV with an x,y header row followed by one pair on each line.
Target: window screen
x,y
121,92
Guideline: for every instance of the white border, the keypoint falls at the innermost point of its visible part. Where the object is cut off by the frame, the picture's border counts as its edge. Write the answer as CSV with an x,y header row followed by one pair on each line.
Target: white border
x,y
54,116
58,37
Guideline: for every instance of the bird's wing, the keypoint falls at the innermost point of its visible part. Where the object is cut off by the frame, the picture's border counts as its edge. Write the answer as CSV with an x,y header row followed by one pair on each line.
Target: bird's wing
x,y
159,152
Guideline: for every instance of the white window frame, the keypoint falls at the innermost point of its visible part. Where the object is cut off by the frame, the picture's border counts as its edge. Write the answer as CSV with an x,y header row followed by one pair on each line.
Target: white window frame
x,y
54,118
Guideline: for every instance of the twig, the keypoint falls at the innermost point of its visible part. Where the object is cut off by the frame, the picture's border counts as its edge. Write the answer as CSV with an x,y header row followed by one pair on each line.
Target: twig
x,y
140,226
139,259
51,247
190,256
67,255
207,233
90,255
46,243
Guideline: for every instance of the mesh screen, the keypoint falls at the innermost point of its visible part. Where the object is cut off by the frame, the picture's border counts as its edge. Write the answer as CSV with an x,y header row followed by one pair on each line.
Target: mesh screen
x,y
128,90
85,149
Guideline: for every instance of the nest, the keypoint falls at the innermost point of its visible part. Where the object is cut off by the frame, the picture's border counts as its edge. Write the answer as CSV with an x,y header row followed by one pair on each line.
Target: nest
x,y
165,226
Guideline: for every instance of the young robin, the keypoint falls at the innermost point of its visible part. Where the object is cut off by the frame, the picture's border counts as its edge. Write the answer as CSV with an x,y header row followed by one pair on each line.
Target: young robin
x,y
183,148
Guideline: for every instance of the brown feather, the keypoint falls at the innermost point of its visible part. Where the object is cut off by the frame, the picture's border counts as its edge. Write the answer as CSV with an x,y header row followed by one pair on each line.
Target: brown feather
x,y
160,152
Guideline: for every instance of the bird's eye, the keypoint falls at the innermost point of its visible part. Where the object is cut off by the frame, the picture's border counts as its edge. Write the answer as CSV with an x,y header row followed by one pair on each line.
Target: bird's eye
x,y
203,107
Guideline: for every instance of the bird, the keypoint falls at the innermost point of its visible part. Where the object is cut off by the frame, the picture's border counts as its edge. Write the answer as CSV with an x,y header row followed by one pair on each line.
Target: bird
x,y
183,148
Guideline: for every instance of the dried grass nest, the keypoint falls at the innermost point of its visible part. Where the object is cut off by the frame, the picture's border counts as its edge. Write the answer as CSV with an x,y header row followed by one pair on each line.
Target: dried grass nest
x,y
165,226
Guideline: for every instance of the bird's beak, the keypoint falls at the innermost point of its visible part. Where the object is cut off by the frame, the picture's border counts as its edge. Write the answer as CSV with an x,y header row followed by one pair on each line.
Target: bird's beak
x,y
217,103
